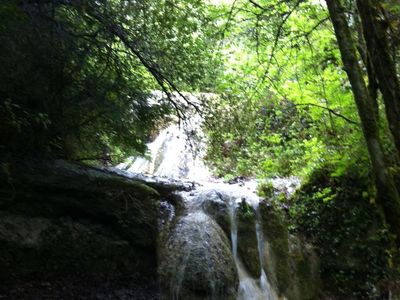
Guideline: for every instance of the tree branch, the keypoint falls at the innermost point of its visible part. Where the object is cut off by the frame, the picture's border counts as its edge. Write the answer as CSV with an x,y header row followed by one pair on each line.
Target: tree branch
x,y
331,111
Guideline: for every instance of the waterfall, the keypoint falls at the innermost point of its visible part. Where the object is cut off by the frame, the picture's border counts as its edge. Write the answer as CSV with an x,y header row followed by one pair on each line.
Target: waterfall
x,y
176,153
171,156
250,288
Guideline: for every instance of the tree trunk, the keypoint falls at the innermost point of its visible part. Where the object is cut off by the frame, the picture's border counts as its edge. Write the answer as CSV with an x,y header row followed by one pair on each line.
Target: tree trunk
x,y
362,49
387,193
378,51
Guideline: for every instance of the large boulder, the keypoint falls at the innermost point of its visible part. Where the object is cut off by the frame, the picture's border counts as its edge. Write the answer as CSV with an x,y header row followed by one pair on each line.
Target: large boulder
x,y
196,260
216,205
291,264
32,246
66,219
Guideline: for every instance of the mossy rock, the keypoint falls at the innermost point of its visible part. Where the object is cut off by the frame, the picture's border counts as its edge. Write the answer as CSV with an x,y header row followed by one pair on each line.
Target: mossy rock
x,y
67,218
291,264
38,245
276,234
215,204
196,261
247,239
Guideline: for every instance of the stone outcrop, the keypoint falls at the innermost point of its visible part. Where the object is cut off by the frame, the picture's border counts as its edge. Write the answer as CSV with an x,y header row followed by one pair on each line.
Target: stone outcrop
x,y
290,263
196,261
64,219
215,204
247,239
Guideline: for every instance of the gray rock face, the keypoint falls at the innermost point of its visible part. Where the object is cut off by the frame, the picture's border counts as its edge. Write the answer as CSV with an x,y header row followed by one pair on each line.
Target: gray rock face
x,y
26,232
66,218
215,205
290,263
196,261
247,239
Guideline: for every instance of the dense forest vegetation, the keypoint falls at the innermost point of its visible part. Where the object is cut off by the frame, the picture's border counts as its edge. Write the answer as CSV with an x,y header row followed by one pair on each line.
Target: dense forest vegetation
x,y
304,87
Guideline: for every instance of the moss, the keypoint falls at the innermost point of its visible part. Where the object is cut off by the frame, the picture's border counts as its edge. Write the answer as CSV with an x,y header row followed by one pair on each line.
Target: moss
x,y
290,264
265,189
245,212
339,215
247,239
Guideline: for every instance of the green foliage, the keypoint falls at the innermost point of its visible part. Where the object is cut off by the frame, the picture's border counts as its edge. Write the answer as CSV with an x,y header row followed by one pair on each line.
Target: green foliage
x,y
76,78
285,105
338,213
265,189
71,87
245,211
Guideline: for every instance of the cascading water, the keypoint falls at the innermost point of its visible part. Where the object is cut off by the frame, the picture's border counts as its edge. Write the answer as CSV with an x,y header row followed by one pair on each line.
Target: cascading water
x,y
176,153
250,288
171,156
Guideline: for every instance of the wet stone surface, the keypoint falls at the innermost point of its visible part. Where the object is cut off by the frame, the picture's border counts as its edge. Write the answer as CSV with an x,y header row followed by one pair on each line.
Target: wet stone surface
x,y
196,261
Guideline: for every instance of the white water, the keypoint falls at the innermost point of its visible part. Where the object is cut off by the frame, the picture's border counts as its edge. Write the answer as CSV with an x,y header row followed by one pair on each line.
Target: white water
x,y
171,156
176,152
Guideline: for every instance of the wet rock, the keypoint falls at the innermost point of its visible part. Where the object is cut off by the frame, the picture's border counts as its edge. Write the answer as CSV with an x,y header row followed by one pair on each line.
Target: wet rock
x,y
67,218
304,263
277,247
167,217
237,180
196,262
291,264
216,205
247,239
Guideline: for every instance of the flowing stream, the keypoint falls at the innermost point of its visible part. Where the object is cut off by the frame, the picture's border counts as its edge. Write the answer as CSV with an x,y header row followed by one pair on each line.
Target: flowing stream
x,y
172,157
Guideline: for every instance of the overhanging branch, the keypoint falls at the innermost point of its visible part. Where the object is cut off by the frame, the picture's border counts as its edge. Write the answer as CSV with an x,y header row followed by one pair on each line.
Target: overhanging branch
x,y
331,111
